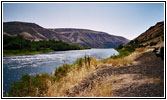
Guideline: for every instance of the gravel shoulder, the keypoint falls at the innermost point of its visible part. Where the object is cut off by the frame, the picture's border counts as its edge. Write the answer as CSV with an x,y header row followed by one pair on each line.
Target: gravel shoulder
x,y
144,79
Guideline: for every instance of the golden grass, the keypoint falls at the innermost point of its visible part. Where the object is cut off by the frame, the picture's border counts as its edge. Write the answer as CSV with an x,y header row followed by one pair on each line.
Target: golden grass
x,y
140,50
59,88
127,60
102,89
124,61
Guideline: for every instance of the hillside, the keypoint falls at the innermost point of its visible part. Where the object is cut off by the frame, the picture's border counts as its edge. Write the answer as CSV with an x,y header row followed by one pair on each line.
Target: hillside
x,y
82,37
154,36
90,38
30,31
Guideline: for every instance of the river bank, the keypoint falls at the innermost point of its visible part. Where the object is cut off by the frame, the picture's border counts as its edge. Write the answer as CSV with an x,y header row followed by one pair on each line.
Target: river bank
x,y
24,52
30,52
138,74
143,79
18,45
16,66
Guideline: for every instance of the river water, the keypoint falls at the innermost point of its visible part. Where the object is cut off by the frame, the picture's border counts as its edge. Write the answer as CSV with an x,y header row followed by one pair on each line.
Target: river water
x,y
16,66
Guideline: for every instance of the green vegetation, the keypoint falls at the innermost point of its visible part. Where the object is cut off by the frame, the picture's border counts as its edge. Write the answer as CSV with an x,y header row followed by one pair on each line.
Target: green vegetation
x,y
126,50
39,84
122,53
18,46
31,86
23,52
36,86
65,68
133,44
62,71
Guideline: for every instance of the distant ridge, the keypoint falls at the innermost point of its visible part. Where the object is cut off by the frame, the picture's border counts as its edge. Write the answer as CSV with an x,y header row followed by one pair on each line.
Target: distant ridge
x,y
82,37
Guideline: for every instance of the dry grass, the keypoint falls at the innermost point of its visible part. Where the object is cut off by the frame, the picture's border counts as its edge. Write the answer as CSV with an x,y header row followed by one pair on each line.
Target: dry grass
x,y
101,88
124,61
140,50
127,60
59,88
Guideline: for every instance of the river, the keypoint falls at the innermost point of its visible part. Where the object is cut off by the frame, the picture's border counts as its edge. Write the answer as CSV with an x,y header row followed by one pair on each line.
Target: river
x,y
16,66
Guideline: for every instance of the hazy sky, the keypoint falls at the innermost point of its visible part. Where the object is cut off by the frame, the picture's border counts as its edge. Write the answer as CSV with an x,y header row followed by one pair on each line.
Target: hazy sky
x,y
123,19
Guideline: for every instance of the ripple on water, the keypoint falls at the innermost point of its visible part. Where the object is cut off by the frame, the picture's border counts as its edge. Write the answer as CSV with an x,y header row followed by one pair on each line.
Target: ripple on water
x,y
16,66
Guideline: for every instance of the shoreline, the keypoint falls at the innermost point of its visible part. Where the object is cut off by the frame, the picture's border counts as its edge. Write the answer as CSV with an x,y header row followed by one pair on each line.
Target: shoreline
x,y
25,53
31,52
72,51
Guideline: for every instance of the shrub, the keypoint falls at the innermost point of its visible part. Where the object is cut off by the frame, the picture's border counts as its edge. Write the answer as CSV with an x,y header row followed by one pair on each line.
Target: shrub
x,y
62,71
125,51
80,62
30,86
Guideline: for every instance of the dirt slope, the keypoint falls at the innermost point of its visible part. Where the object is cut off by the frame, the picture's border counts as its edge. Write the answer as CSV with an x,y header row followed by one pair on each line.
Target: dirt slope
x,y
154,36
145,79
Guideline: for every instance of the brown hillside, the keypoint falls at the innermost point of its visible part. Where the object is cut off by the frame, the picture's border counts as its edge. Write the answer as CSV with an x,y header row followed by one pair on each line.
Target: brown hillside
x,y
154,35
82,37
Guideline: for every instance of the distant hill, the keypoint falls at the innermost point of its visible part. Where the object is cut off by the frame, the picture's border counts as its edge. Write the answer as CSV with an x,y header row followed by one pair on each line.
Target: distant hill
x,y
82,37
90,38
30,31
154,36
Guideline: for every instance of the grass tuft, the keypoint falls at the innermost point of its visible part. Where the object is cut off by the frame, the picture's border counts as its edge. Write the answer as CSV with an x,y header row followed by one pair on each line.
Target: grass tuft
x,y
101,88
78,73
125,58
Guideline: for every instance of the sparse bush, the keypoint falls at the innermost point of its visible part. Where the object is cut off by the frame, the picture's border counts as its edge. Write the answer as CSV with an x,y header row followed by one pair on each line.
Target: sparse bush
x,y
122,53
62,71
80,62
34,86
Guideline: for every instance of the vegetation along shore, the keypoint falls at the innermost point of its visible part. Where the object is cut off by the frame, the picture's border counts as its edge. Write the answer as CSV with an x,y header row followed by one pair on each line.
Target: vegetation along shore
x,y
18,45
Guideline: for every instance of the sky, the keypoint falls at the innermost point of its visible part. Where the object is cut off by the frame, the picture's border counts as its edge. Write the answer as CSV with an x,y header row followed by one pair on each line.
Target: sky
x,y
122,19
